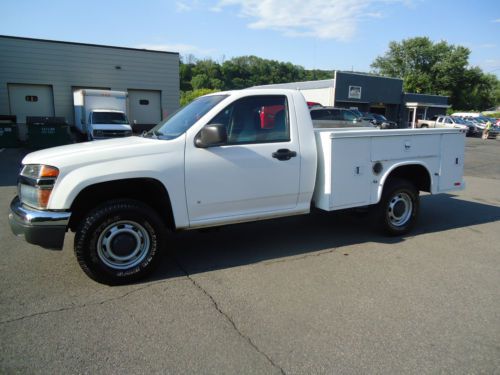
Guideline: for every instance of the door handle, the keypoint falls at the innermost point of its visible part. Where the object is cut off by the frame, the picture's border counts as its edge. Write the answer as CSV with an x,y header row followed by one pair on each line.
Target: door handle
x,y
284,154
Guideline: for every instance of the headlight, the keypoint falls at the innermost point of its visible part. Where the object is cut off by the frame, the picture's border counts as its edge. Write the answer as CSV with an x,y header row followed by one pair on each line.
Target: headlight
x,y
35,184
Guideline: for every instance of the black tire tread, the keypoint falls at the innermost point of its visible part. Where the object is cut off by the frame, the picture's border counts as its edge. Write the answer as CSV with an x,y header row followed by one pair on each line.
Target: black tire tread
x,y
391,186
85,230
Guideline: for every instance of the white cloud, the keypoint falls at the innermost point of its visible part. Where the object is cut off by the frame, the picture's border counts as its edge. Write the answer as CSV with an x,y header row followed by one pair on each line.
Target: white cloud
x,y
326,19
183,49
496,21
182,6
487,45
490,63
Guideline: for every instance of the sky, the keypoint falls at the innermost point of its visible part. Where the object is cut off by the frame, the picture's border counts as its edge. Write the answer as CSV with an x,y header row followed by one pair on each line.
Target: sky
x,y
316,34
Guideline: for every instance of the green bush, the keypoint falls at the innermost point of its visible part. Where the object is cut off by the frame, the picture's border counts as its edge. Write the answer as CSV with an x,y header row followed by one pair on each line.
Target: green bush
x,y
188,96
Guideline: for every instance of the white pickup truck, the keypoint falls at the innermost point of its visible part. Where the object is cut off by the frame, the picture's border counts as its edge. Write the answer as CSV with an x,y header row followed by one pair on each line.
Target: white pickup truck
x,y
448,122
219,161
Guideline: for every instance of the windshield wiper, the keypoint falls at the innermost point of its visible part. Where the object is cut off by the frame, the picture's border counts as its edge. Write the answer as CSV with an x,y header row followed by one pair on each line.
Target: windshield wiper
x,y
154,133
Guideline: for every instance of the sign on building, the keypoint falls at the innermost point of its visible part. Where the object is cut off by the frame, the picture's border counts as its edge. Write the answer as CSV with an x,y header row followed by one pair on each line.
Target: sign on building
x,y
354,92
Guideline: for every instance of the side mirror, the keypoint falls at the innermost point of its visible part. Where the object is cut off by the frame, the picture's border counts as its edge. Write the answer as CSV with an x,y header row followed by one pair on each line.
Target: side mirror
x,y
211,135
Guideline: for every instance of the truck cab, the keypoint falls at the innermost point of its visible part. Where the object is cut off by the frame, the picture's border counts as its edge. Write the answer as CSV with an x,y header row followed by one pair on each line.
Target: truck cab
x,y
107,123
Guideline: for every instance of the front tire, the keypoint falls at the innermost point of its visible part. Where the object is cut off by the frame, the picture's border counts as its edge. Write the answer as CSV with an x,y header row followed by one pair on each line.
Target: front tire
x,y
119,242
398,208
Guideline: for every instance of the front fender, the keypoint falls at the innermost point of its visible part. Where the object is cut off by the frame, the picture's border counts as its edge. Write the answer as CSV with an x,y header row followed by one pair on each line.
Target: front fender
x,y
167,168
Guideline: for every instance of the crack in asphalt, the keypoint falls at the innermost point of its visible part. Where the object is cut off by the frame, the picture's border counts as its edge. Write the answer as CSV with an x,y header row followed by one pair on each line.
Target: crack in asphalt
x,y
188,276
228,318
75,307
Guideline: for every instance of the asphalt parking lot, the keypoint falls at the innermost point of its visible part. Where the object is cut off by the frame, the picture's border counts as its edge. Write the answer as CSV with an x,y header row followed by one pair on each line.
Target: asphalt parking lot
x,y
318,294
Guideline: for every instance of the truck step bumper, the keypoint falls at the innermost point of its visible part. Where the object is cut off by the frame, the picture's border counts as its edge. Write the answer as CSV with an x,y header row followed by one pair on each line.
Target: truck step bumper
x,y
43,228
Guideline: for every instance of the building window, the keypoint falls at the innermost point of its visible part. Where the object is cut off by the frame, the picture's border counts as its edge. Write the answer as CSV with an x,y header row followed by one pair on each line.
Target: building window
x,y
144,102
31,98
354,92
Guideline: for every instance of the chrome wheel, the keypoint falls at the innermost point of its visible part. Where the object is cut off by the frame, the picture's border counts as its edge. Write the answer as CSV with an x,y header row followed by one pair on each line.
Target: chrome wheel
x,y
399,209
123,245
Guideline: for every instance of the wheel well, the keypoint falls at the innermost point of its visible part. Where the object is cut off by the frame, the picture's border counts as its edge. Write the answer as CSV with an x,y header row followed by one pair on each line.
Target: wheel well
x,y
147,190
417,174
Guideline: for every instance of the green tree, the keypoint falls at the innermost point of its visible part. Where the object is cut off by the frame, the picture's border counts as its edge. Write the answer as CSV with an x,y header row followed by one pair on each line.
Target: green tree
x,y
438,68
200,81
239,73
188,96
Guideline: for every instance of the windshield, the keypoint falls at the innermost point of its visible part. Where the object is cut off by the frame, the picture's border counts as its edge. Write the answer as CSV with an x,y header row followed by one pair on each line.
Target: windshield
x,y
356,112
109,118
458,120
379,117
180,121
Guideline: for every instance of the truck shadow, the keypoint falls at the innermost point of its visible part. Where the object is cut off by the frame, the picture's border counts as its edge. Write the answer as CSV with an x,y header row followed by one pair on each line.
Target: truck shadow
x,y
273,240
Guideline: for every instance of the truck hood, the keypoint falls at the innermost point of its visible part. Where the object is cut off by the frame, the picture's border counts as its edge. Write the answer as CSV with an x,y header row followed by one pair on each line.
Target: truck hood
x,y
97,151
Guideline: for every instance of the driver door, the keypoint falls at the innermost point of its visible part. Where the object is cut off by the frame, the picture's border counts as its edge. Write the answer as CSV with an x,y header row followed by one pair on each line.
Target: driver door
x,y
245,178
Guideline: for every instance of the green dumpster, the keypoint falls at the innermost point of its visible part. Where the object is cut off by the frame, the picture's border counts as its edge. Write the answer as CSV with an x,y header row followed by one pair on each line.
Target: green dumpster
x,y
8,132
44,132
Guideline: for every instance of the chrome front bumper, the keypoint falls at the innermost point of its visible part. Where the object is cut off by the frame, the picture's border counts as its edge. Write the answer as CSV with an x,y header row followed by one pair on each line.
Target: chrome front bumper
x,y
43,228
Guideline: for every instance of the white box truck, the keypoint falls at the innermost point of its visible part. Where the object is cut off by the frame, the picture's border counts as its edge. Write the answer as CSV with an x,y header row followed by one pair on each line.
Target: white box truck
x,y
101,114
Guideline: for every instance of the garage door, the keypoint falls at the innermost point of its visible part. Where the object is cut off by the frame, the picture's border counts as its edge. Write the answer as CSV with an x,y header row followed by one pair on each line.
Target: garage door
x,y
30,100
144,107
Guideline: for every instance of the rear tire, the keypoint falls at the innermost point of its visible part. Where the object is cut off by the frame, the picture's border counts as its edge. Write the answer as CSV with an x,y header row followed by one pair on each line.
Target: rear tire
x,y
119,242
397,211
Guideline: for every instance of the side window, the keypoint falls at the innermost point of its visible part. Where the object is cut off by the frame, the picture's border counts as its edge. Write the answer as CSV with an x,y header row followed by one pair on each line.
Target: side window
x,y
256,119
337,114
448,121
31,98
321,114
349,116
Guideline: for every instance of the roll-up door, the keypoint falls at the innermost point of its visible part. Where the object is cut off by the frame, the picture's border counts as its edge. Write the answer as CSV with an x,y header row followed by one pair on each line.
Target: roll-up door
x,y
144,107
30,100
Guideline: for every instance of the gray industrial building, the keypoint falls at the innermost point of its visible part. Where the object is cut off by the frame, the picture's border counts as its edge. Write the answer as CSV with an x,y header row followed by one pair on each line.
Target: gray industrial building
x,y
38,77
370,93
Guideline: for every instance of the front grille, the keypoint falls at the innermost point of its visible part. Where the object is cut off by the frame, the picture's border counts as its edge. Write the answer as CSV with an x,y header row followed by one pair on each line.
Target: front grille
x,y
111,133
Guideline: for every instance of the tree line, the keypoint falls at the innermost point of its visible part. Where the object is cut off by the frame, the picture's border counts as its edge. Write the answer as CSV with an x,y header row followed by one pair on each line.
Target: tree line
x,y
439,68
425,66
199,77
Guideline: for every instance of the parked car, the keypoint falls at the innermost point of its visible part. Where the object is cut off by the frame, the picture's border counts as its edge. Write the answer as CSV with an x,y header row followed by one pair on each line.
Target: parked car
x,y
379,121
332,117
314,105
357,112
474,128
443,122
494,132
